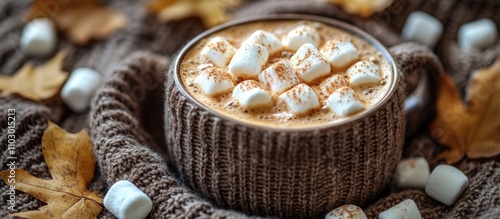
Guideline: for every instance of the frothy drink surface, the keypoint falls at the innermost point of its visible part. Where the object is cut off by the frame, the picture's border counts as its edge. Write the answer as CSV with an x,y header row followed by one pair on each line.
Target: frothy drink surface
x,y
333,100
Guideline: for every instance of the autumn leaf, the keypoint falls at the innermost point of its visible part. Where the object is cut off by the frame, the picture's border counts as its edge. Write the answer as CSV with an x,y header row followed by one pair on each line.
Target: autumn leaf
x,y
472,129
40,83
81,20
71,164
364,8
212,12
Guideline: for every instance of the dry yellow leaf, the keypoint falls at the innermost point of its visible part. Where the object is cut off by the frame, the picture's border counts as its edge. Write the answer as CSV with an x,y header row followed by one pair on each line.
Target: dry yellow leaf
x,y
472,129
212,12
71,164
364,8
81,20
40,83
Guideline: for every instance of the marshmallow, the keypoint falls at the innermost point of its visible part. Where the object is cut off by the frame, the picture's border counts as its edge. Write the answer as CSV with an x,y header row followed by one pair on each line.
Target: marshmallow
x,y
347,212
477,35
422,28
407,209
80,88
39,37
214,81
300,99
343,102
446,183
126,201
301,35
279,77
340,52
412,173
309,64
329,85
266,39
363,72
219,51
250,95
248,60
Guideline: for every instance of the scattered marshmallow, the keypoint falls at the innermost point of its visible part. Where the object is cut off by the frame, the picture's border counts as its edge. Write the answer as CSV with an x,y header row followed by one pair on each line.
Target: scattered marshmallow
x,y
407,209
343,102
126,201
309,64
446,183
422,28
219,51
340,52
412,173
80,88
477,34
347,212
301,35
39,37
300,99
214,81
250,95
363,72
248,60
279,77
266,39
329,85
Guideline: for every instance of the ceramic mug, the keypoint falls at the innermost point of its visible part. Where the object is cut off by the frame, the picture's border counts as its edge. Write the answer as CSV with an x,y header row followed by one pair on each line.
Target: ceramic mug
x,y
301,172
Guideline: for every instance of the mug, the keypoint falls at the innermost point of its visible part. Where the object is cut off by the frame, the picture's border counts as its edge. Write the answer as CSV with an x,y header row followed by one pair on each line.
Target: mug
x,y
301,172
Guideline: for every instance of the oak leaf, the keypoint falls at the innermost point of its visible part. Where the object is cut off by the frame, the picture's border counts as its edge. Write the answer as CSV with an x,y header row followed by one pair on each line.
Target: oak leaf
x,y
212,12
364,8
71,164
81,20
471,129
40,83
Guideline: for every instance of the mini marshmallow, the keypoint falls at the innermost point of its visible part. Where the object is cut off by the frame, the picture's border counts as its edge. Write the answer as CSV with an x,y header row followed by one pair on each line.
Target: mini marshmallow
x,y
309,64
363,72
219,51
347,212
248,60
214,81
343,102
80,88
340,52
300,99
301,35
329,85
412,173
407,209
477,35
446,183
279,77
39,37
422,28
250,95
266,39
126,201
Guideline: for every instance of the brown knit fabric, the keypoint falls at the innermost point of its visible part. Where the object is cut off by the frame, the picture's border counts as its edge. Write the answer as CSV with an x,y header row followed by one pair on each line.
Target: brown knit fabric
x,y
126,116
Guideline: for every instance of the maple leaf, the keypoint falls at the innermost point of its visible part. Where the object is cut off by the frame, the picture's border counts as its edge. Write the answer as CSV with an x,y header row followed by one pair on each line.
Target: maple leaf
x,y
40,83
471,129
364,8
71,164
81,20
212,12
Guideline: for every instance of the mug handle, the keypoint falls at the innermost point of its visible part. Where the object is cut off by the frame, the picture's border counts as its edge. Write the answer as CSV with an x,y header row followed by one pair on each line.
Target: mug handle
x,y
419,104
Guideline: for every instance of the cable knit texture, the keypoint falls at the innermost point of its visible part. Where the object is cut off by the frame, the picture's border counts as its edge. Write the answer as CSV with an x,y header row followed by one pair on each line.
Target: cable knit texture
x,y
128,130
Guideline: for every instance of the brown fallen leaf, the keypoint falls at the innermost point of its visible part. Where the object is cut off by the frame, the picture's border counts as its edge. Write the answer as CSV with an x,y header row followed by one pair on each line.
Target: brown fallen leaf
x,y
81,20
364,8
36,83
471,129
212,12
71,164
